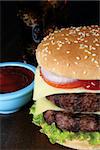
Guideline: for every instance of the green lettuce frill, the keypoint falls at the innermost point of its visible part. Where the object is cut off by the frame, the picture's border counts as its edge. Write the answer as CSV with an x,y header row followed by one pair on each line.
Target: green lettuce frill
x,y
56,135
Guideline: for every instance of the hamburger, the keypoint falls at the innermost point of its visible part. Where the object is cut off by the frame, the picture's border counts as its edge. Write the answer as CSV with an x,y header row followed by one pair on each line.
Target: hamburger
x,y
67,87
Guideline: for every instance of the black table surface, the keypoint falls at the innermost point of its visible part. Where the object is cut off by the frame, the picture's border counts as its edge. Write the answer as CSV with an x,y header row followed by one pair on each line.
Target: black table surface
x,y
19,133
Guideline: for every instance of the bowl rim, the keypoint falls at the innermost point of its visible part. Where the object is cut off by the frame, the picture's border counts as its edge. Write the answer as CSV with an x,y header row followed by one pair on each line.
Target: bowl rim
x,y
22,91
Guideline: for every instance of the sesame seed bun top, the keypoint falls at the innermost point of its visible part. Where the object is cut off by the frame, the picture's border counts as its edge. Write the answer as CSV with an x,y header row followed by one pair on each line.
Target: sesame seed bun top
x,y
72,52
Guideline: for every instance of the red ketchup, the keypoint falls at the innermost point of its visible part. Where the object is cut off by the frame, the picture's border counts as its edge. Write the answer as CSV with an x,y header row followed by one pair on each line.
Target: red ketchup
x,y
91,84
13,78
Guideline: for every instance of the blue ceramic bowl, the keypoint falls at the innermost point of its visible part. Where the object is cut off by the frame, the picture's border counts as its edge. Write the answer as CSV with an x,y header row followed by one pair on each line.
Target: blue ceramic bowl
x,y
12,102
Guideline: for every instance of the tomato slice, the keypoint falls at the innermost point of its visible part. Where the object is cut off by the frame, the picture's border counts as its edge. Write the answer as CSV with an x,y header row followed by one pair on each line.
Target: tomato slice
x,y
91,84
70,85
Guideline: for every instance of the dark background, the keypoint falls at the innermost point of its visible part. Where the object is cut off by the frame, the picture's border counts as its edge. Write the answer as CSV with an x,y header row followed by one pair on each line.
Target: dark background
x,y
15,35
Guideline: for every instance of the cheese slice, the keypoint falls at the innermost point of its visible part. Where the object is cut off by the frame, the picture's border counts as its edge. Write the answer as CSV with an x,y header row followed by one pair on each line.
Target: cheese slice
x,y
42,89
43,105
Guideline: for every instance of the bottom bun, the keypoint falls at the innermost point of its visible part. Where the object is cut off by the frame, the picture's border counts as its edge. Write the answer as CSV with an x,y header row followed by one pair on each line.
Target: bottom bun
x,y
77,140
80,145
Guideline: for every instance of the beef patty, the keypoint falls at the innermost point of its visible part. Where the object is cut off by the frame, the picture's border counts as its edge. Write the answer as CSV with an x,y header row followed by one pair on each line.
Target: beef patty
x,y
83,102
73,122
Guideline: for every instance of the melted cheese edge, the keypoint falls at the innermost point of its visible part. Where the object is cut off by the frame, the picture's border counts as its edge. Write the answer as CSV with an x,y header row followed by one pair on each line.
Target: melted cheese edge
x,y
42,89
43,105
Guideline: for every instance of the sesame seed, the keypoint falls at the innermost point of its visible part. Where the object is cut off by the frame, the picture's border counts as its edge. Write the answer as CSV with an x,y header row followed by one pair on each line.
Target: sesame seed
x,y
55,59
94,33
67,52
62,34
82,34
67,34
89,27
86,46
45,44
56,31
78,38
92,59
97,44
95,40
95,61
66,38
62,29
81,46
57,63
98,66
97,34
93,54
67,65
84,72
78,58
96,25
85,57
51,38
45,49
69,42
76,63
49,52
67,28
51,34
93,48
45,38
77,29
92,26
59,42
90,47
74,72
71,32
59,31
60,45
81,39
85,41
79,33
75,41
72,27
87,34
84,27
52,42
58,48
87,51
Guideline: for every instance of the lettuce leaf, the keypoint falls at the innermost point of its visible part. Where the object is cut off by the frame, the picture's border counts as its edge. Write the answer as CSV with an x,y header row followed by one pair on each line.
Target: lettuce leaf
x,y
54,134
